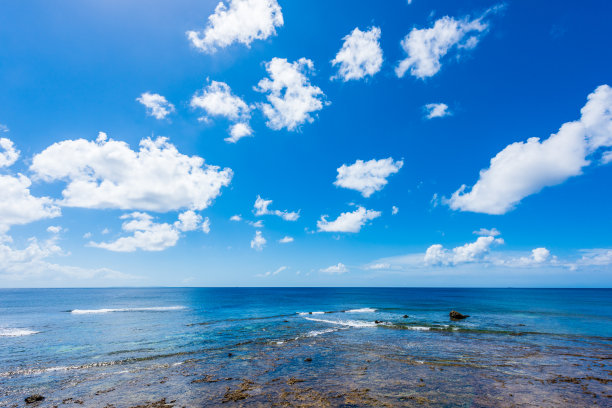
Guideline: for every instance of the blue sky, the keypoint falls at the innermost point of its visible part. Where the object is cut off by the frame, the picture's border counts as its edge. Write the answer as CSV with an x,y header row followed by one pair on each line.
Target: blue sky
x,y
327,120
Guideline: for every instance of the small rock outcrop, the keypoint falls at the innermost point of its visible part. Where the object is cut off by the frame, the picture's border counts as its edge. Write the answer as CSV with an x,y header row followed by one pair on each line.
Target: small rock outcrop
x,y
454,315
34,398
405,316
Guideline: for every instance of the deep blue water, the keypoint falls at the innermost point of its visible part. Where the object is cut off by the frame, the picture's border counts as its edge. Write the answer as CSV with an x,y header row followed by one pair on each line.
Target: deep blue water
x,y
72,343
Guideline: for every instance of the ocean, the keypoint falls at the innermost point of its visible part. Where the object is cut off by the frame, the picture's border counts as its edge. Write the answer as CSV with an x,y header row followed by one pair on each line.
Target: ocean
x,y
306,347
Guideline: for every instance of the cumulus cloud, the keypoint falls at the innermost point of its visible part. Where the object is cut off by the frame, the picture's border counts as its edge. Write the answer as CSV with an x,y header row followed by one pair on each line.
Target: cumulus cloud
x,y
109,174
31,262
148,235
291,98
493,232
256,224
157,105
425,47
436,110
217,100
348,221
8,153
243,21
238,131
261,208
525,168
286,239
367,177
470,252
18,206
258,241
236,217
359,56
394,210
54,229
335,269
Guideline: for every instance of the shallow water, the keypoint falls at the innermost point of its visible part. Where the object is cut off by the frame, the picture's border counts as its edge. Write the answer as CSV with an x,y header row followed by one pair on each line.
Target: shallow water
x,y
202,346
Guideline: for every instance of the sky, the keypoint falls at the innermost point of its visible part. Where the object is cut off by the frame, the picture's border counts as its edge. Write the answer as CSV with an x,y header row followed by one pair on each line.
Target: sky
x,y
313,143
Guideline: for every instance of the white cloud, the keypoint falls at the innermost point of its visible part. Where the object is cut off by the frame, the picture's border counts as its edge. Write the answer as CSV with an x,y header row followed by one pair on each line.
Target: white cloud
x,y
594,257
425,47
218,100
151,236
271,273
335,269
18,206
30,263
436,110
188,221
238,131
606,157
8,153
471,252
243,21
286,239
3,128
54,229
256,224
525,168
261,208
367,177
291,97
108,174
236,217
348,221
394,210
360,55
205,226
493,232
258,241
378,266
87,235
157,105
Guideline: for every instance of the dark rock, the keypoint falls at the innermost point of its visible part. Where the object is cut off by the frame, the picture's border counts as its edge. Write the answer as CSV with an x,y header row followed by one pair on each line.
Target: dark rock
x,y
405,316
457,316
230,354
34,398
308,359
378,321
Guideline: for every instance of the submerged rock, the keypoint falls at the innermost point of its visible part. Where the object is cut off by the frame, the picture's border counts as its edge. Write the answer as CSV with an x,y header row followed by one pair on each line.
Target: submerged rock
x,y
405,316
308,359
456,315
34,398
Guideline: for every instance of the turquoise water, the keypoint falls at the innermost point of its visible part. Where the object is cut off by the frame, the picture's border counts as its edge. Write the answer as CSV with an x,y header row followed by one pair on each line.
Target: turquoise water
x,y
124,347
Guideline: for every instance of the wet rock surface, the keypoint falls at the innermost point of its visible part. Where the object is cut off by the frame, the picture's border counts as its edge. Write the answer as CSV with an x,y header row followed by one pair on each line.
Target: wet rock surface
x,y
34,398
454,315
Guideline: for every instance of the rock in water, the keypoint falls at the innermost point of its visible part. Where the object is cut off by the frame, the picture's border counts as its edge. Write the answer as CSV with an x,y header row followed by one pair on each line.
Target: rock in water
x,y
457,316
34,398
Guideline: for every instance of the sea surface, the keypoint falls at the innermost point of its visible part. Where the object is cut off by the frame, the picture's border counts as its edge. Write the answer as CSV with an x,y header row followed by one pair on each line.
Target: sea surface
x,y
306,347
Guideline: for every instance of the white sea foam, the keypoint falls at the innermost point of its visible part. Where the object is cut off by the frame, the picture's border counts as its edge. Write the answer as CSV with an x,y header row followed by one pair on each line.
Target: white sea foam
x,y
10,332
349,323
419,328
128,309
362,310
310,313
315,333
